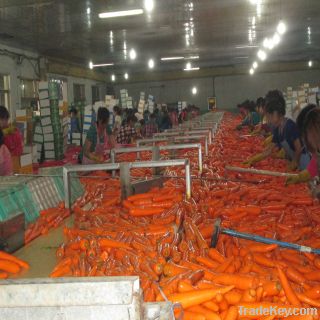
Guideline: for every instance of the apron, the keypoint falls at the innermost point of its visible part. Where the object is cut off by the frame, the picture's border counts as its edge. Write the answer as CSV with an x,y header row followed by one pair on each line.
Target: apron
x,y
304,157
102,148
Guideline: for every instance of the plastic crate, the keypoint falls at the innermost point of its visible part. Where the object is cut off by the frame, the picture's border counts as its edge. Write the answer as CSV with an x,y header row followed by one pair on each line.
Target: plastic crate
x,y
8,205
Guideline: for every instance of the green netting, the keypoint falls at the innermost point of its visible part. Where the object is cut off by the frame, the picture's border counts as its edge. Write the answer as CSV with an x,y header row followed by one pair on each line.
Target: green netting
x,y
8,206
25,201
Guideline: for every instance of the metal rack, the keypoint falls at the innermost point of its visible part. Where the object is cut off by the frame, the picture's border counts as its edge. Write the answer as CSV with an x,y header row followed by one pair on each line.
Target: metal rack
x,y
125,181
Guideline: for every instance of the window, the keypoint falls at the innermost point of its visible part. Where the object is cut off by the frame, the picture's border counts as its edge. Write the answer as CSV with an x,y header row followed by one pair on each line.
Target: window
x,y
29,94
95,94
5,91
79,92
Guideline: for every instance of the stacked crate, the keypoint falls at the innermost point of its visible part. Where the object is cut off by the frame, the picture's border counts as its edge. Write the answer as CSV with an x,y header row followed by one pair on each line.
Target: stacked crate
x,y
123,96
151,103
87,121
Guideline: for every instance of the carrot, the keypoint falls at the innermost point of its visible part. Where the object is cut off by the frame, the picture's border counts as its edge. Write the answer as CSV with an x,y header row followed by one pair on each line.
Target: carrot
x,y
222,267
195,297
232,313
233,297
170,269
3,275
271,288
140,196
188,315
184,286
214,254
107,243
239,281
21,263
249,295
291,296
207,262
137,212
142,202
316,262
262,247
313,276
211,306
263,260
295,275
63,271
313,293
305,299
209,315
9,266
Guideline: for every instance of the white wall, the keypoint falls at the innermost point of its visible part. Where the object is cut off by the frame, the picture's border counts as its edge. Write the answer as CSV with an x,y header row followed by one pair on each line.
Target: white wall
x,y
231,90
172,91
8,66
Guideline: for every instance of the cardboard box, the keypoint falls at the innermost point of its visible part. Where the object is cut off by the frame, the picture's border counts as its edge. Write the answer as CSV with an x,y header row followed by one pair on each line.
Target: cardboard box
x,y
44,103
46,121
26,169
45,112
43,85
44,94
48,146
49,155
26,159
47,130
48,137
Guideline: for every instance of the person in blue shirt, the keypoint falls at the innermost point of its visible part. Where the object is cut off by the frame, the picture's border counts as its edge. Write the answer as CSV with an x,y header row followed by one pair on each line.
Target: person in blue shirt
x,y
75,125
252,118
286,141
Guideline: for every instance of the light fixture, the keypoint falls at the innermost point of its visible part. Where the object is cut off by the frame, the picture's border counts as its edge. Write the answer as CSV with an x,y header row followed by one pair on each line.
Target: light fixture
x,y
113,78
91,65
116,14
188,65
149,5
194,90
132,54
126,76
255,65
192,57
171,58
310,63
151,63
251,71
281,28
276,39
266,42
88,10
262,55
192,69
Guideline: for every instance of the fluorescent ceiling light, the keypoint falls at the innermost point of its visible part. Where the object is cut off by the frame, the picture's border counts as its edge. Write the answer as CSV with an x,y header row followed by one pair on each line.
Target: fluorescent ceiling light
x,y
262,55
251,71
243,47
132,54
90,65
194,90
192,57
255,65
310,63
281,28
149,5
276,39
151,64
192,69
126,76
100,65
116,14
171,58
88,10
113,78
188,65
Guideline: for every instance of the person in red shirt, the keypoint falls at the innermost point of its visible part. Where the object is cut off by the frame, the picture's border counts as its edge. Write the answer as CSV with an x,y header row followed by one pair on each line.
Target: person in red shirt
x,y
5,158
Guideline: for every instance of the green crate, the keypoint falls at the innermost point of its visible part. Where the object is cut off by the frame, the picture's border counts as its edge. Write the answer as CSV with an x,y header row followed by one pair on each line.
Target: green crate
x,y
23,198
8,206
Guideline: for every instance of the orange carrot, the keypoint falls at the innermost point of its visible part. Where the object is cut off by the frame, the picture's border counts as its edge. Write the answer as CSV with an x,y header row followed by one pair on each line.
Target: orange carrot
x,y
188,315
305,299
137,212
9,266
184,286
287,288
211,306
3,275
207,262
21,263
107,243
262,247
195,297
232,313
214,254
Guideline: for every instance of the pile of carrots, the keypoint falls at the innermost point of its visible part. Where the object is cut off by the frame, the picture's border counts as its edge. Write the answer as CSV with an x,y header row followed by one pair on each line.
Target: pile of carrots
x,y
11,265
48,219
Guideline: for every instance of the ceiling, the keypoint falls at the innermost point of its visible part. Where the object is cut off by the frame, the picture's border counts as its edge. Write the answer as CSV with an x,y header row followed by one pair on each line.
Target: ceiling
x,y
220,32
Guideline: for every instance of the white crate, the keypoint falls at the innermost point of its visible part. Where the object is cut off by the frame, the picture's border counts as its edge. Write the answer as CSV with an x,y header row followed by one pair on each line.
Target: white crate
x,y
47,130
48,146
43,85
45,103
48,137
45,112
46,121
44,94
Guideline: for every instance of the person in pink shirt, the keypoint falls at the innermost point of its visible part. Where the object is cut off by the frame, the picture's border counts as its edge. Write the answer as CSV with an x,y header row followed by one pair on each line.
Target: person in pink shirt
x,y
5,158
308,123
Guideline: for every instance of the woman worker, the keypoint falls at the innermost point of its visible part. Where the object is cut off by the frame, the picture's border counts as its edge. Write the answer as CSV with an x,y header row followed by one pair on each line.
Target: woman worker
x,y
99,139
252,118
285,135
308,123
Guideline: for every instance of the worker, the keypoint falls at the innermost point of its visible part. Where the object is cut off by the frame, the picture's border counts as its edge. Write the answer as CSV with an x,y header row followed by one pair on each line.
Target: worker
x,y
5,158
99,139
117,120
165,122
286,142
252,118
308,122
74,120
151,126
12,136
127,131
264,127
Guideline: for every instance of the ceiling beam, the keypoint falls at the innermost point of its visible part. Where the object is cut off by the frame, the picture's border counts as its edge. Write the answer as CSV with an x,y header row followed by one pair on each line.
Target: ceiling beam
x,y
217,72
57,66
